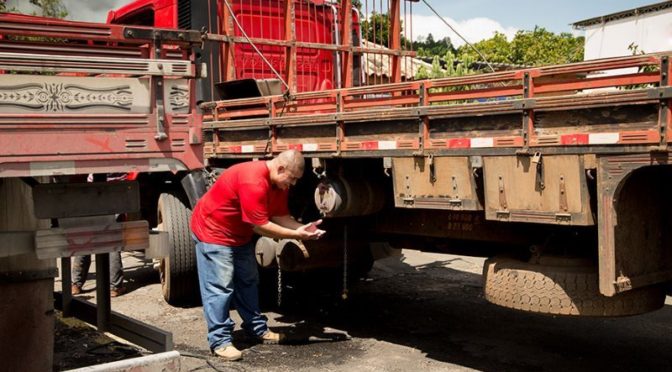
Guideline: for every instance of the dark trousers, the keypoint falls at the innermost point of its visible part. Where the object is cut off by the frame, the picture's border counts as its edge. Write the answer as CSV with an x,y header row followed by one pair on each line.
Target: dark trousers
x,y
81,264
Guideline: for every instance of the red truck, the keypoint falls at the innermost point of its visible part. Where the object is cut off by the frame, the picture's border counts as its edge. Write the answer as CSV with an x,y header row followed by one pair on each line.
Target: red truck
x,y
78,99
557,173
544,169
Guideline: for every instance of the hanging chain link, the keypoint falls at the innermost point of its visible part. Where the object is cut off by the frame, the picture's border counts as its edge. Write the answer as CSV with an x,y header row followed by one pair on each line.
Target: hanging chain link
x,y
344,295
279,286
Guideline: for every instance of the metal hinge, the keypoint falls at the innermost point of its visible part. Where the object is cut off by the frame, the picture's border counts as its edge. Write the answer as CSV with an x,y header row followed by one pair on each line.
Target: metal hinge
x,y
623,284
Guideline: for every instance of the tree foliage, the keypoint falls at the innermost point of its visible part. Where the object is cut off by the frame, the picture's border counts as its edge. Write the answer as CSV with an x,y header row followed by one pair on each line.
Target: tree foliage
x,y
534,48
376,29
428,47
51,8
451,67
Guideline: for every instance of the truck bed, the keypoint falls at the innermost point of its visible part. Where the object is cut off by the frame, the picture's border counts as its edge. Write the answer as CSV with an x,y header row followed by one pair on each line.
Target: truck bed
x,y
601,106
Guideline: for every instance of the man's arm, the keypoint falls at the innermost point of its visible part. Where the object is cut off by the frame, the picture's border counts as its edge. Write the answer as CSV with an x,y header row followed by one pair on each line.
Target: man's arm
x,y
286,221
276,231
285,227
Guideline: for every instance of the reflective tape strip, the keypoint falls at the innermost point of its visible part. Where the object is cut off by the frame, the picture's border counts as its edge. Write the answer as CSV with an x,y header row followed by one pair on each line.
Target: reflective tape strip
x,y
235,149
482,142
603,138
245,149
309,147
387,145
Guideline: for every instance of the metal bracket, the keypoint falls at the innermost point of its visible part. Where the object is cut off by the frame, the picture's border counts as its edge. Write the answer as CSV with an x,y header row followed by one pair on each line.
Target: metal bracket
x,y
387,165
503,215
660,93
432,169
164,35
623,283
563,195
563,217
157,86
455,203
454,187
539,179
502,195
525,104
318,163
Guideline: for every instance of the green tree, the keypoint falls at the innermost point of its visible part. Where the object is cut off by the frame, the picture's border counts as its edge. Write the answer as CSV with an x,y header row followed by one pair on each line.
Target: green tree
x,y
534,48
542,47
497,49
51,8
428,47
376,29
453,67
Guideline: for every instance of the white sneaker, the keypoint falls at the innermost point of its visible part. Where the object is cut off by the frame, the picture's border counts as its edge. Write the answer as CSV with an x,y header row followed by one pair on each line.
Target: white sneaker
x,y
228,353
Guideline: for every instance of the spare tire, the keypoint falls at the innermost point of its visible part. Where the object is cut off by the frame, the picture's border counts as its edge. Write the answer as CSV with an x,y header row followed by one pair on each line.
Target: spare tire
x,y
562,286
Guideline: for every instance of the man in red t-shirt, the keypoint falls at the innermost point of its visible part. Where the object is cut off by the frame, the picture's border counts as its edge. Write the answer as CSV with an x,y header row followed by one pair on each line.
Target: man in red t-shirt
x,y
247,198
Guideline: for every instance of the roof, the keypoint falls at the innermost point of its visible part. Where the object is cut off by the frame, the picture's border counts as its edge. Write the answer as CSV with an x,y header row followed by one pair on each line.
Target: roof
x,y
653,8
380,65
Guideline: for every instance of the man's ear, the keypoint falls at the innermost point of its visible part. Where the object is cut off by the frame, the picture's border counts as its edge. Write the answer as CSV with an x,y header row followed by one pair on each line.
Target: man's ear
x,y
281,169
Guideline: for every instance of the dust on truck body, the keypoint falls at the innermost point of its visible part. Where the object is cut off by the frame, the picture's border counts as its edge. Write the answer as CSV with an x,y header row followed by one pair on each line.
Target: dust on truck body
x,y
558,173
78,101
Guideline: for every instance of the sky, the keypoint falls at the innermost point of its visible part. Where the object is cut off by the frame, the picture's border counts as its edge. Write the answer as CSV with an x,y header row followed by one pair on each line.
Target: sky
x,y
474,19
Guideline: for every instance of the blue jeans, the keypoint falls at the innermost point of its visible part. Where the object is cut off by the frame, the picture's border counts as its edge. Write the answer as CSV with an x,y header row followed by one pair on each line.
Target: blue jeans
x,y
228,274
82,264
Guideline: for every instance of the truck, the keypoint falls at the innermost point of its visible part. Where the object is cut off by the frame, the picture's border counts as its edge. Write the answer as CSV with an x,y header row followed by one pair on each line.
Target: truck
x,y
77,100
556,173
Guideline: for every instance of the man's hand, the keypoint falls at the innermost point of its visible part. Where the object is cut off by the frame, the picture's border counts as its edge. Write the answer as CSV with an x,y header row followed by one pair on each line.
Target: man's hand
x,y
310,231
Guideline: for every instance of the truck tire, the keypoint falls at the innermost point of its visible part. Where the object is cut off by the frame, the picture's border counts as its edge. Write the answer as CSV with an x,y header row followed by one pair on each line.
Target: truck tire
x,y
561,286
179,279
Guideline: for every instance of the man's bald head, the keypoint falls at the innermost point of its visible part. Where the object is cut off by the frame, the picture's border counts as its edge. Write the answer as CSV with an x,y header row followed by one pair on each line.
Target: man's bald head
x,y
291,159
286,168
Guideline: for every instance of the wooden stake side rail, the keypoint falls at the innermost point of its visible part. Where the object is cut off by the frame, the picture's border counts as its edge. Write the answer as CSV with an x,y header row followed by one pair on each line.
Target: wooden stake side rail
x,y
586,106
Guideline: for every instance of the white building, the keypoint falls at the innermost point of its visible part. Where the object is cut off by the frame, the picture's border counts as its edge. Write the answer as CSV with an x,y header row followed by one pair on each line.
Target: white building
x,y
648,27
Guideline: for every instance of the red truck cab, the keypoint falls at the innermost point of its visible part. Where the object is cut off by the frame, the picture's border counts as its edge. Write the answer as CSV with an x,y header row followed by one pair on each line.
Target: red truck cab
x,y
315,22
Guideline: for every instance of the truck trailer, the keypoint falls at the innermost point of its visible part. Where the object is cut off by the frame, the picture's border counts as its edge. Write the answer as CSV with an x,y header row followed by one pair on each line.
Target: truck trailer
x,y
556,173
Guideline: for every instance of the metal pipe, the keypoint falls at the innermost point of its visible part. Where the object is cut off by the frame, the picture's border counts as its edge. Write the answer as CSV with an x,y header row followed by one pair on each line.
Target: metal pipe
x,y
103,307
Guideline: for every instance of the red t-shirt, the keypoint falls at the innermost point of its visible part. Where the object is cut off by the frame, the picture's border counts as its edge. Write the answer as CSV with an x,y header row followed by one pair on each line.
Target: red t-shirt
x,y
242,197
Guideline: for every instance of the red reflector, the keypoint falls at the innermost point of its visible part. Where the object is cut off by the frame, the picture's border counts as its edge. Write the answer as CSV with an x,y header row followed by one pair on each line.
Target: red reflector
x,y
574,139
459,143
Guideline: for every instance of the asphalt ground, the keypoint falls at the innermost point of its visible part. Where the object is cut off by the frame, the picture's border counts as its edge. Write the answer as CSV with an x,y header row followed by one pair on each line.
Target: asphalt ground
x,y
418,311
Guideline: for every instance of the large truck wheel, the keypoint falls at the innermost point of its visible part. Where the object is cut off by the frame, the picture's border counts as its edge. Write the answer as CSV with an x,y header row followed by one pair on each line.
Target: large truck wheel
x,y
179,279
561,286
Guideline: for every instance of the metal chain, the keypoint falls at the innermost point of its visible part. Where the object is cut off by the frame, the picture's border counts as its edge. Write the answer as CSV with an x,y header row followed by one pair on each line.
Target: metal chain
x,y
279,286
344,295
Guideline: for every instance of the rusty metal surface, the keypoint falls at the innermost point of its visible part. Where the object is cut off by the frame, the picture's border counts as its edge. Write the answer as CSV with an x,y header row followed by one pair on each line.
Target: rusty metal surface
x,y
436,183
554,106
548,189
633,209
89,105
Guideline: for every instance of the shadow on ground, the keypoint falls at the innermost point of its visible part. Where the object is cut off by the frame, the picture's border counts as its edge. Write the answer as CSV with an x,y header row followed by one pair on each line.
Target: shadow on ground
x,y
441,312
